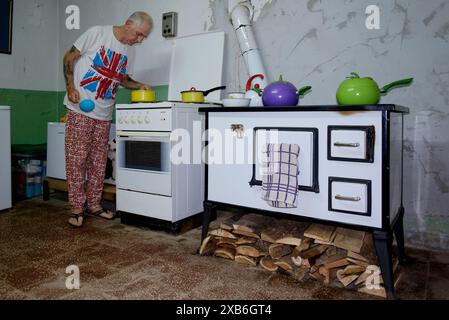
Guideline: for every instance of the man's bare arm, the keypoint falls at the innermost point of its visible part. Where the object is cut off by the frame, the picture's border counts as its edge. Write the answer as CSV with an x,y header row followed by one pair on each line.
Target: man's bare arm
x,y
129,83
69,61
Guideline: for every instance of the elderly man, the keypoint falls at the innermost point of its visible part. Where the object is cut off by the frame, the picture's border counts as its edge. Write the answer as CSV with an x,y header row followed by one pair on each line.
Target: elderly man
x,y
100,60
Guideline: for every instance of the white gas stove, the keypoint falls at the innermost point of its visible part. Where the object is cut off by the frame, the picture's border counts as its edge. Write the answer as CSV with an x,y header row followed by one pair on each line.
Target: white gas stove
x,y
149,184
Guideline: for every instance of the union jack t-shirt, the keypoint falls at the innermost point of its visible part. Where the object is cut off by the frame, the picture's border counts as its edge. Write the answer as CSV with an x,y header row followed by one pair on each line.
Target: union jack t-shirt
x,y
103,64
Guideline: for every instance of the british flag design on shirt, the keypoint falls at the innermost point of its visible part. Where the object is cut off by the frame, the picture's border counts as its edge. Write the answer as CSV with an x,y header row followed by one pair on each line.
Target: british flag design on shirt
x,y
106,74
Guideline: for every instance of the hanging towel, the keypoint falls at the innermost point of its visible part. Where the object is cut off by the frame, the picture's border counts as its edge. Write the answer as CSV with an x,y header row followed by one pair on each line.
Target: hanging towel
x,y
280,174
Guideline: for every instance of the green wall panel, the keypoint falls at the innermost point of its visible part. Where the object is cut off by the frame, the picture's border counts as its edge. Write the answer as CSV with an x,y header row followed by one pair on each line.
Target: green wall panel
x,y
32,110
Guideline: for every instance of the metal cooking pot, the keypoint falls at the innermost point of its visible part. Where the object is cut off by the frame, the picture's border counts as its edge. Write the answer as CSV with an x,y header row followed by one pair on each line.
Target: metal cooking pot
x,y
197,96
143,96
363,91
282,93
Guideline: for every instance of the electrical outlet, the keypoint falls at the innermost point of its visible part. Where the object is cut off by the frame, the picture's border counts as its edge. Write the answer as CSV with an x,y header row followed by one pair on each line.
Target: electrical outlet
x,y
169,24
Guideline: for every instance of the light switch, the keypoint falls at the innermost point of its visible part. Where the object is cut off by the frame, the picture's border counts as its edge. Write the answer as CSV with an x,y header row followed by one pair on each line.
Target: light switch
x,y
169,24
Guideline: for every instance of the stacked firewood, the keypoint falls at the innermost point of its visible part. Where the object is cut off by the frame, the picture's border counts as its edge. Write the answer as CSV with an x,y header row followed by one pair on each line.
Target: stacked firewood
x,y
334,256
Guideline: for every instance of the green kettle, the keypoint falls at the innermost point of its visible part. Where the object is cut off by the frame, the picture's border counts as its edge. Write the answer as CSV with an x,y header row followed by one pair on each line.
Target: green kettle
x,y
363,91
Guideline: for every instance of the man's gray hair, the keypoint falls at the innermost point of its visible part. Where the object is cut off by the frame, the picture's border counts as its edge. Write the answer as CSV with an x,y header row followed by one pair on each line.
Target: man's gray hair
x,y
138,17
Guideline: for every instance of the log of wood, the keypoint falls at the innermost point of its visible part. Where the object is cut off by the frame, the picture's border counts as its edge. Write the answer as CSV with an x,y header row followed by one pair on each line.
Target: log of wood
x,y
227,224
346,280
302,263
246,234
285,232
362,278
245,260
227,242
222,233
358,262
353,269
305,244
326,274
325,258
226,253
252,224
208,246
248,251
245,240
284,263
278,250
336,264
313,251
299,273
268,264
317,276
348,239
320,232
357,256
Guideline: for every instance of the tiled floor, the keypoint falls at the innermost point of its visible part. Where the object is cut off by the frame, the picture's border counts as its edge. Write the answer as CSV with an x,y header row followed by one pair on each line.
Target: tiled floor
x,y
124,262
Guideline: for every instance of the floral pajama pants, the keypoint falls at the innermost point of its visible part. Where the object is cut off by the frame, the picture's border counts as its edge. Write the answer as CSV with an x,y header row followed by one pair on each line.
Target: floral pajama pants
x,y
86,152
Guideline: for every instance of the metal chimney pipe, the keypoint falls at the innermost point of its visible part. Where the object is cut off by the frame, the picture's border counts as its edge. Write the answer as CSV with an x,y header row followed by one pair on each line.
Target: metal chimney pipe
x,y
241,13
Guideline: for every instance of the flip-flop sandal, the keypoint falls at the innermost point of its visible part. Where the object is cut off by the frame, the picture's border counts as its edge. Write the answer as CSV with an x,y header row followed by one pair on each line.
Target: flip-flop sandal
x,y
99,212
76,216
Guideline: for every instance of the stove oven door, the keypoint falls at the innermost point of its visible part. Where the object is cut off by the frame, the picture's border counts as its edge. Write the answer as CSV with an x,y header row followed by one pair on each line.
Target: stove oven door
x,y
143,162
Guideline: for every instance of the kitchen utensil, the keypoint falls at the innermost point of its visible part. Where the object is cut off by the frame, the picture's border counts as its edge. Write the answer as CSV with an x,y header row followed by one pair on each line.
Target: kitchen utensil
x,y
87,105
254,93
236,95
282,93
362,91
197,96
238,102
143,96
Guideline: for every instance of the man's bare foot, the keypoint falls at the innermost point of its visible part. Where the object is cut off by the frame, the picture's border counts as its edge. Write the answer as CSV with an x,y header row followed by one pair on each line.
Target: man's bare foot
x,y
76,219
102,213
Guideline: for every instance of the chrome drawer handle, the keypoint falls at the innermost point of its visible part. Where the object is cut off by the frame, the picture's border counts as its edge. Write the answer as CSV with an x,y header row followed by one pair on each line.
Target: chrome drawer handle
x,y
354,199
351,145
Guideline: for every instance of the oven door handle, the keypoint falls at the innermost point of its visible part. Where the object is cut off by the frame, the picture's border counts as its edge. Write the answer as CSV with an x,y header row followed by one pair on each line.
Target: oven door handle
x,y
138,134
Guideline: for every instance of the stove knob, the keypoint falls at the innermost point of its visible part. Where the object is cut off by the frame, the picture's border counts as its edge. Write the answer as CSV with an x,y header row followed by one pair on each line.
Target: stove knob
x,y
147,119
133,119
126,120
140,120
120,120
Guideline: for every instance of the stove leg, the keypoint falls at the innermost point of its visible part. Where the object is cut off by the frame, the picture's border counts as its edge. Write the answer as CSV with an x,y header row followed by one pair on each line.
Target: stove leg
x,y
399,235
210,210
383,242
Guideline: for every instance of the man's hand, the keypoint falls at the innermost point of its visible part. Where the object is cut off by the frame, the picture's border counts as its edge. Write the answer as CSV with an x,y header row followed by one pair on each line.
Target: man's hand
x,y
144,87
73,95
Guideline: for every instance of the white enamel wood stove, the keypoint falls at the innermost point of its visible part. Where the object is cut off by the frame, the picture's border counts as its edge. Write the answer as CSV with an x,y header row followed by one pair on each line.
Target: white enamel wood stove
x,y
350,167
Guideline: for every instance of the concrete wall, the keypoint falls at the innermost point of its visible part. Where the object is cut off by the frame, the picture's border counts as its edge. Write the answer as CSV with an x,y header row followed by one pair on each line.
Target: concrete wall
x,y
32,64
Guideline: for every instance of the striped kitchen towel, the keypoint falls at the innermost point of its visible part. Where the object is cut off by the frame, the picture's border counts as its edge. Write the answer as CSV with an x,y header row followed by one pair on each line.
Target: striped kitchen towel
x,y
280,174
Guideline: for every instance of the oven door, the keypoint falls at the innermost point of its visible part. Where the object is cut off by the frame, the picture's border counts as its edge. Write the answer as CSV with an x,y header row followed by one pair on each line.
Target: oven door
x,y
143,162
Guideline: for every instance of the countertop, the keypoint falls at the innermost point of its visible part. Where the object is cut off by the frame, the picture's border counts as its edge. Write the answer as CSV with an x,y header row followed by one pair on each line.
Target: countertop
x,y
378,107
5,108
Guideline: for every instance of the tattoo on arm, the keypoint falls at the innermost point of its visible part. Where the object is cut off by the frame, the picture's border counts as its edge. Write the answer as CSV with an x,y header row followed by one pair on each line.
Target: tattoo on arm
x,y
69,60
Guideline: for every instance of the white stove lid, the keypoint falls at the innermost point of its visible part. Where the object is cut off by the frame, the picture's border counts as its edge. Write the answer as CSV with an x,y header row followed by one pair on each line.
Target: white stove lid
x,y
197,61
